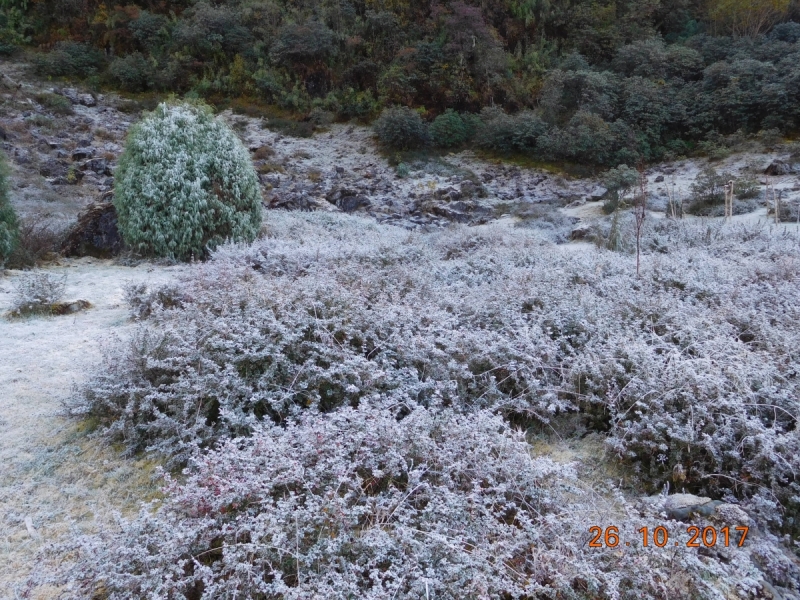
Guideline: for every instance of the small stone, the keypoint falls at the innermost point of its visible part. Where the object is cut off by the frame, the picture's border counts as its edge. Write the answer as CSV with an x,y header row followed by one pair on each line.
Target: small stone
x,y
659,179
731,514
82,153
87,100
580,233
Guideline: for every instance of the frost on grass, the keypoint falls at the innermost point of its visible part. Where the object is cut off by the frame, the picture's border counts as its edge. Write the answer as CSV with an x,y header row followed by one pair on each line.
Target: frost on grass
x,y
693,366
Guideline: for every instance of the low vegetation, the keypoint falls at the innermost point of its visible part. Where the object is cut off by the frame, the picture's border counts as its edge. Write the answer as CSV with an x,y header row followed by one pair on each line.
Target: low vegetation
x,y
331,326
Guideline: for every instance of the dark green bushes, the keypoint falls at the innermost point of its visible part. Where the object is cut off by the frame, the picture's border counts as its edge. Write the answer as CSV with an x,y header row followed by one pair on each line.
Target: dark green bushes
x,y
401,129
449,130
71,59
131,72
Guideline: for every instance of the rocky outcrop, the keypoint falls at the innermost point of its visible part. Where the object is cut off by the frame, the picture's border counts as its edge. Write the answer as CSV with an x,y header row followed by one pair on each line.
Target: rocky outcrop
x,y
95,234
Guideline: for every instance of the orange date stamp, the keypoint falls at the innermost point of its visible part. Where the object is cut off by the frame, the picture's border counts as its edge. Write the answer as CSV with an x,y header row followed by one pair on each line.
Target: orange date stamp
x,y
708,537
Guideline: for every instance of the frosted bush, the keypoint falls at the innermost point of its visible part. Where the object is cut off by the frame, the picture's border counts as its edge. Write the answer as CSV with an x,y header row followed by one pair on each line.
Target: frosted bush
x,y
365,503
693,364
184,184
37,291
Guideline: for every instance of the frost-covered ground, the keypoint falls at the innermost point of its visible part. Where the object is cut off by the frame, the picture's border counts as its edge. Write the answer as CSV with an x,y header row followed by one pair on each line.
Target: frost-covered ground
x,y
51,473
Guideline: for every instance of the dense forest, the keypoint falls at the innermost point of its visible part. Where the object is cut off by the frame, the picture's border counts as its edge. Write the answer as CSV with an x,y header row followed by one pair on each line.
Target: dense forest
x,y
605,82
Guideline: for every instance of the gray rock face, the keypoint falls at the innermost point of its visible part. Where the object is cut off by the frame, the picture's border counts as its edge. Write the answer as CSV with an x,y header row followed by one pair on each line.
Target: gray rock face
x,y
53,168
97,165
779,167
82,153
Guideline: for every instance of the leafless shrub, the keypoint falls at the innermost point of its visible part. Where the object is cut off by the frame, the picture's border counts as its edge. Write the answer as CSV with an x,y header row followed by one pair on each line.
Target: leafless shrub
x,y
37,292
40,240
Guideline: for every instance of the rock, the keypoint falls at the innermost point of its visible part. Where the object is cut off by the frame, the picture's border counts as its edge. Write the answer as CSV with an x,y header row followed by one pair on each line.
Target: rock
x,y
353,203
576,203
95,233
22,156
3,134
87,100
659,179
70,94
53,168
447,194
580,233
84,143
778,167
731,514
97,165
82,153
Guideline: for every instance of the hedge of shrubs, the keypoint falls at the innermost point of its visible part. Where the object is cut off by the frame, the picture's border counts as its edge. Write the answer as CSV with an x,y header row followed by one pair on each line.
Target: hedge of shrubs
x,y
654,85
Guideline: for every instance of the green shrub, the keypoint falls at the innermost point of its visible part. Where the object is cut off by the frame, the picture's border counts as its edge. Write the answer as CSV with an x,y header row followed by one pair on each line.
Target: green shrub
x,y
708,191
184,184
620,181
70,59
746,188
55,103
401,129
448,130
131,72
9,225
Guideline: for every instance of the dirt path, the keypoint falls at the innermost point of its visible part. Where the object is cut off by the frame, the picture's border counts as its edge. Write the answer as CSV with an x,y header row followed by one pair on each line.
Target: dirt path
x,y
52,474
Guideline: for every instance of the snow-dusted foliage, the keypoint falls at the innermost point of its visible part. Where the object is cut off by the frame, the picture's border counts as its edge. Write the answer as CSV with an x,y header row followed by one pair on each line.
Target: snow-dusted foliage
x,y
38,290
361,504
693,365
184,184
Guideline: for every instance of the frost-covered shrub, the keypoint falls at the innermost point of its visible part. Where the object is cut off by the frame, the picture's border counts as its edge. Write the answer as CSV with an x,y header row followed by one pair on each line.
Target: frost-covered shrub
x,y
184,184
401,128
357,503
9,224
619,181
708,191
37,291
143,301
403,503
690,364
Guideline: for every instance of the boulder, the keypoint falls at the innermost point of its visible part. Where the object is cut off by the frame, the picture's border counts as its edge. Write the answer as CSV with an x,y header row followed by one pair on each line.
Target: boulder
x,y
353,203
82,153
779,167
53,168
70,94
580,233
97,165
87,100
95,233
